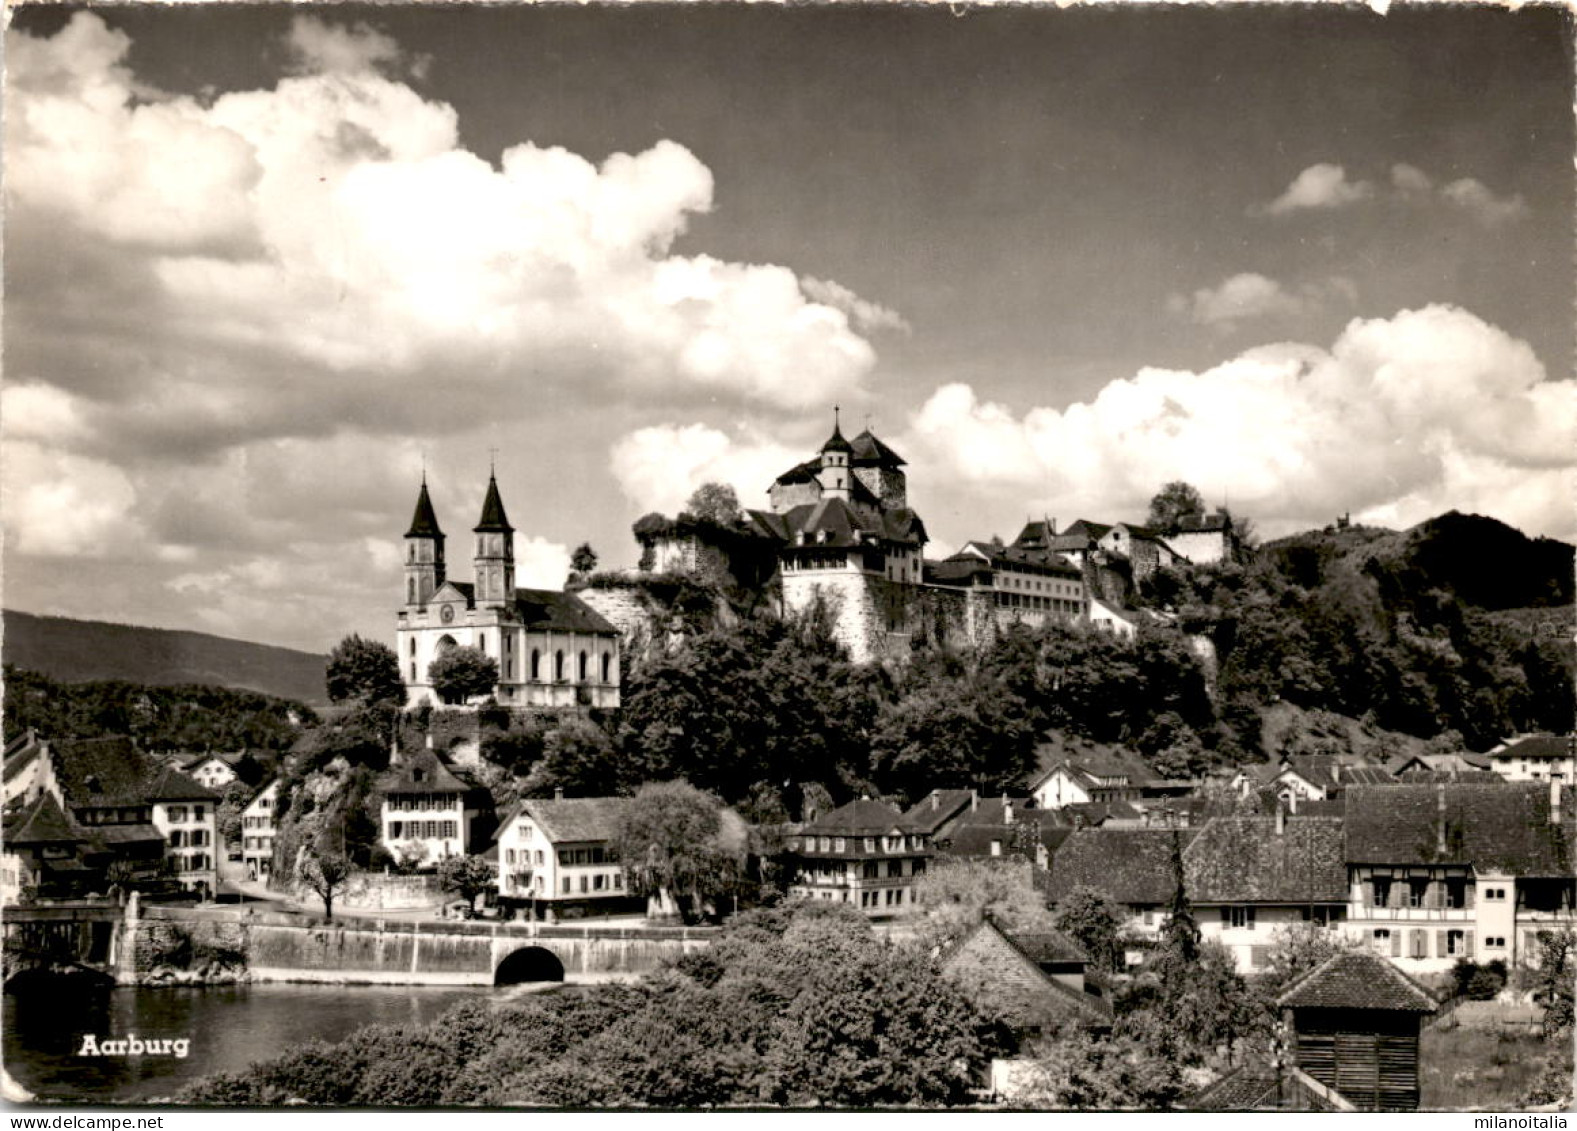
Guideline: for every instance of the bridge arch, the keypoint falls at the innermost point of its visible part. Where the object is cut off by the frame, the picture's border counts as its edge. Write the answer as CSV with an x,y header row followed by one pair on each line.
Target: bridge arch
x,y
529,964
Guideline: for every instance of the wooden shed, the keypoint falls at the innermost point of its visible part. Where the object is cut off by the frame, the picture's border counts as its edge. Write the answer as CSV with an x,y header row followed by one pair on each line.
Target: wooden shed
x,y
1355,1020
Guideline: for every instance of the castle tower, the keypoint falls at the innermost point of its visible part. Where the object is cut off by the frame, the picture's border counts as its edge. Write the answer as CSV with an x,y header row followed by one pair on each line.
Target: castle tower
x,y
495,551
424,552
835,472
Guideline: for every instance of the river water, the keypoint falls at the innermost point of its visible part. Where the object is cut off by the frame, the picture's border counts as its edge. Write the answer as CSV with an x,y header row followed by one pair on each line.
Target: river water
x,y
229,1027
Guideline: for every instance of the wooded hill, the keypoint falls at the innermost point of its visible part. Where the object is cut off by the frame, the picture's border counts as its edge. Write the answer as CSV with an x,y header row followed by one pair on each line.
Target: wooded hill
x,y
79,651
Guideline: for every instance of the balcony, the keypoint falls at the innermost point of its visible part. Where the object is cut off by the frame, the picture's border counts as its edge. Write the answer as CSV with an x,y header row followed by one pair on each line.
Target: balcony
x,y
1417,914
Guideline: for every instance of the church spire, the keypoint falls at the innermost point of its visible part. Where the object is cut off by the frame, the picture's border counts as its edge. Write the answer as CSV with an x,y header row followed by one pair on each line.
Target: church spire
x,y
424,523
836,442
493,520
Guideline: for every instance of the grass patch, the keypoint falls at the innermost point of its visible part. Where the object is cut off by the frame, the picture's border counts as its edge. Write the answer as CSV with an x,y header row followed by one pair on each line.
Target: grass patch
x,y
1462,1069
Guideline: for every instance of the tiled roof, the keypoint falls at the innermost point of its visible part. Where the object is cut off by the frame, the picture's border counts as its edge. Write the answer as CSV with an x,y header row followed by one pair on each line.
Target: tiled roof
x,y
1086,529
858,818
1535,746
833,522
977,839
1244,860
1428,777
1503,827
956,961
575,819
1254,1087
1133,866
869,451
493,520
548,609
1357,980
42,822
1367,775
1192,523
143,833
95,772
1035,534
424,523
936,808
801,472
1048,946
21,760
956,570
1145,532
1091,758
169,784
423,771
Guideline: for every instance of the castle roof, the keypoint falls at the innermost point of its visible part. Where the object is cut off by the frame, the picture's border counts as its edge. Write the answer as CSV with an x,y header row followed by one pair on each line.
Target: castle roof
x,y
836,442
1084,529
424,523
1197,523
493,520
871,452
833,522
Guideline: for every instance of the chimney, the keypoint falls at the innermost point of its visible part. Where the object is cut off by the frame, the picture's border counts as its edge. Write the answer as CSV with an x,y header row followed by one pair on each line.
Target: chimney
x,y
936,801
558,793
1555,802
974,801
1292,801
1281,817
1440,819
1007,811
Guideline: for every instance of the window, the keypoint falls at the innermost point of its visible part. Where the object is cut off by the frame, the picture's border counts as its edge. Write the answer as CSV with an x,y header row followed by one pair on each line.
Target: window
x,y
1418,945
566,885
1495,942
450,830
584,885
581,668
177,814
1382,891
558,667
1494,895
597,882
1239,918
1456,943
1382,940
536,664
1456,893
509,856
1417,892
539,856
607,666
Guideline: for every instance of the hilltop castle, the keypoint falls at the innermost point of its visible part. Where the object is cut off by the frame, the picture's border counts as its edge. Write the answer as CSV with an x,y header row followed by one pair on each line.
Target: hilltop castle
x,y
840,530
551,648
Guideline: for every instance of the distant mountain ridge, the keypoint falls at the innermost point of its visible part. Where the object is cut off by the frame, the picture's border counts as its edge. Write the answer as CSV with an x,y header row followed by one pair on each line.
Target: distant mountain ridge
x,y
80,651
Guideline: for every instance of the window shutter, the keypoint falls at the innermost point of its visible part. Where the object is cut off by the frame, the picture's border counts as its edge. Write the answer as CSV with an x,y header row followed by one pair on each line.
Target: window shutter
x,y
1250,918
1441,949
1396,944
1469,893
1467,943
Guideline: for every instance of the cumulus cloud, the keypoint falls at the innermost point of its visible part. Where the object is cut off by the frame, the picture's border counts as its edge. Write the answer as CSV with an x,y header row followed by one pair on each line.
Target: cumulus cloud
x,y
868,317
1249,295
1405,417
1479,201
1319,186
658,468
223,312
1410,180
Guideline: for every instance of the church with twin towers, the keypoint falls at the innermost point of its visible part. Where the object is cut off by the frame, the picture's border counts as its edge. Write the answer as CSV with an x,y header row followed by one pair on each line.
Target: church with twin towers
x,y
552,649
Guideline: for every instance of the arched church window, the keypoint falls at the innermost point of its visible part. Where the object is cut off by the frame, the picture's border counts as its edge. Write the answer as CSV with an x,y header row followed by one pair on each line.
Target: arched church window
x,y
410,590
581,668
607,665
558,666
536,664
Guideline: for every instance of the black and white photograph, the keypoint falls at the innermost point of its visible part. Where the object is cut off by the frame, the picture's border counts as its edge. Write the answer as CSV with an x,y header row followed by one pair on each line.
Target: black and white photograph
x,y
844,556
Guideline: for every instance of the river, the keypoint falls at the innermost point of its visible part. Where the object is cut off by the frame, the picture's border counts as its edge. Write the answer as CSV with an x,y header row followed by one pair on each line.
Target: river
x,y
229,1027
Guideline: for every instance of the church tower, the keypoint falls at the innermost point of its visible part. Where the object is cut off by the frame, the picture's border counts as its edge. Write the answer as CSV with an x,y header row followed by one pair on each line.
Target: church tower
x,y
424,552
495,551
835,472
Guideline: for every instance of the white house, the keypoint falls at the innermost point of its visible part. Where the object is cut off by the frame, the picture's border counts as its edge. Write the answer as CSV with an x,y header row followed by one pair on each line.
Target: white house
x,y
212,771
429,810
257,832
187,815
557,856
1535,757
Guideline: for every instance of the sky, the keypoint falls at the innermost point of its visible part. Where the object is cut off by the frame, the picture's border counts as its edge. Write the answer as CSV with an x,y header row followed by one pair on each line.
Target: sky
x,y
264,265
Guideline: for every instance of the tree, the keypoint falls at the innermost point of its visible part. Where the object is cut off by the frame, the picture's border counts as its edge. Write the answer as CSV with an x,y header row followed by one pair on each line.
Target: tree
x,y
324,873
583,560
232,800
467,876
1180,932
364,670
1083,1073
1090,917
1172,502
1297,949
462,673
957,893
714,502
669,841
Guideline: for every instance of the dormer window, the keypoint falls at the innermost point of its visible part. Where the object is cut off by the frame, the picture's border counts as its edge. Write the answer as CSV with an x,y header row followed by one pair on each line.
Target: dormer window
x,y
418,774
